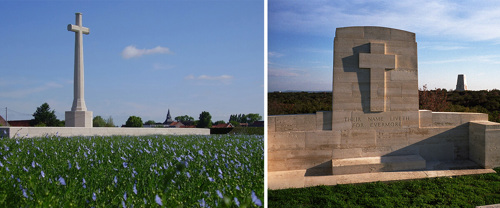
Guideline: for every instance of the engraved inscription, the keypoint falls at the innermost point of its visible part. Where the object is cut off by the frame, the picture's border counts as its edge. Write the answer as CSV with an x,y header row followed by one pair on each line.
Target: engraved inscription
x,y
376,121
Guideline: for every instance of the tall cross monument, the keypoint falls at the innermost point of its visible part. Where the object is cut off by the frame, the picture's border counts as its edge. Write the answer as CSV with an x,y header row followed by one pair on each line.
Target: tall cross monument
x,y
78,116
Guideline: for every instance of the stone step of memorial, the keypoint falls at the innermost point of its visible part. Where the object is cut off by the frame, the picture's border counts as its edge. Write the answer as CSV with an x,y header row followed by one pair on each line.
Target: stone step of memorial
x,y
377,164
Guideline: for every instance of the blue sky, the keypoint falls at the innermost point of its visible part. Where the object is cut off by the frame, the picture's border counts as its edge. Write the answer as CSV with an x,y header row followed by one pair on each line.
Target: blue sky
x,y
141,58
454,37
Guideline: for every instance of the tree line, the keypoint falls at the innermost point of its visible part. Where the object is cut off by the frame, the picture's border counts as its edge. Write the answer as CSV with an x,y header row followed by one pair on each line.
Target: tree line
x,y
437,100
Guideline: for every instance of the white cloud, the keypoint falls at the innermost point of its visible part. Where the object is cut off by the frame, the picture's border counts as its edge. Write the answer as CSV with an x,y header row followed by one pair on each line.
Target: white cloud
x,y
226,79
274,54
281,73
468,20
132,52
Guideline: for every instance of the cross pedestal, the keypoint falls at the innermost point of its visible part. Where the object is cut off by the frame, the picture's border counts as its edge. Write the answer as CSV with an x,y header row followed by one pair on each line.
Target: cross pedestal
x,y
78,116
377,62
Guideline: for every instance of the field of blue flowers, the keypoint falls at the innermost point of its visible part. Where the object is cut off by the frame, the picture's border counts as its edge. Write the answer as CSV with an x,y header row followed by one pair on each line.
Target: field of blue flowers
x,y
145,171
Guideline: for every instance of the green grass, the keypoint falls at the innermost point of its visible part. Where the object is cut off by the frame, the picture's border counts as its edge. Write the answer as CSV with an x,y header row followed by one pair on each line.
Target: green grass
x,y
461,191
175,171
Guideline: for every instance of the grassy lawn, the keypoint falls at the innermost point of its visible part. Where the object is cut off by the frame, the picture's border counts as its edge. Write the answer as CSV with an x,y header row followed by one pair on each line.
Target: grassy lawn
x,y
461,191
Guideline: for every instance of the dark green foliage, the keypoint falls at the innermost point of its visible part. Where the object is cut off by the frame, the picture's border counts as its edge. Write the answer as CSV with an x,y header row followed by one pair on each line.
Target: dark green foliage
x,y
298,102
205,120
462,191
220,122
150,122
184,118
133,121
98,121
242,118
436,100
43,116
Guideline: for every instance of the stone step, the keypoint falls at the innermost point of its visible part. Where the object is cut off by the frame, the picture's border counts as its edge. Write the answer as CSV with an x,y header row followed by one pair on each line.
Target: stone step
x,y
377,164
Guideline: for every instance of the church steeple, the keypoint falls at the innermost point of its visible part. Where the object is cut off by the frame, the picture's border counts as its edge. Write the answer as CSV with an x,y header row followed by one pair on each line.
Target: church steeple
x,y
169,118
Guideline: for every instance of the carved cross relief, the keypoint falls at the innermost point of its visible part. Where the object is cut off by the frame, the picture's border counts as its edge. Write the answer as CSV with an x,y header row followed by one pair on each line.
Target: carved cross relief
x,y
377,62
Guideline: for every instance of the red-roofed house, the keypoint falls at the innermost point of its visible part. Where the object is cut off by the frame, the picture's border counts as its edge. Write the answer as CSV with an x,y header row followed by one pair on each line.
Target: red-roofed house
x,y
228,125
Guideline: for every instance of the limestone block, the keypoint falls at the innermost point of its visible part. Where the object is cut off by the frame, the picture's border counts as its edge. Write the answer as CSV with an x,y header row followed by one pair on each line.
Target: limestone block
x,y
467,117
347,153
393,91
358,138
78,119
376,151
377,164
485,143
324,120
406,62
286,140
319,140
422,136
345,60
392,137
342,45
442,151
302,122
402,35
400,75
349,32
286,179
339,120
377,33
305,159
377,48
403,48
383,61
271,123
425,118
409,89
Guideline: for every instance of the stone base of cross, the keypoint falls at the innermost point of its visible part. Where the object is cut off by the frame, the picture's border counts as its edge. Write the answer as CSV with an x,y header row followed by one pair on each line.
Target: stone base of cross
x,y
377,61
78,118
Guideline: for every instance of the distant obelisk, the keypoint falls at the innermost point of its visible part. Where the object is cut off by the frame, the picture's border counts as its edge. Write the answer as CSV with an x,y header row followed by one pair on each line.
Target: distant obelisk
x,y
78,116
461,83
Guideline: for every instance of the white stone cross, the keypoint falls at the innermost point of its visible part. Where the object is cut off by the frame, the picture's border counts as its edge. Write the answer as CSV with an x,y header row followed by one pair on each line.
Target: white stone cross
x,y
377,61
78,101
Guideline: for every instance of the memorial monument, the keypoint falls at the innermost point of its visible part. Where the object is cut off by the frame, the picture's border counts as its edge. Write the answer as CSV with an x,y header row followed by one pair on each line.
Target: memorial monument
x,y
375,125
79,120
78,116
461,83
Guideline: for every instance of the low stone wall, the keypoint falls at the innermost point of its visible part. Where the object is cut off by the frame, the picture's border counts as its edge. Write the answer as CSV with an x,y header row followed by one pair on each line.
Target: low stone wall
x,y
298,142
484,143
29,132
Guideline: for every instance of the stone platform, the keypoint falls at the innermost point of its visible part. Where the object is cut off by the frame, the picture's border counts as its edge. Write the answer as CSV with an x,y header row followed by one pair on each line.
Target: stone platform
x,y
29,132
297,178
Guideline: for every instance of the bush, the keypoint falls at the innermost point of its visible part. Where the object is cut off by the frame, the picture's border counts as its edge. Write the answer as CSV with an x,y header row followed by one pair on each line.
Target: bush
x,y
133,121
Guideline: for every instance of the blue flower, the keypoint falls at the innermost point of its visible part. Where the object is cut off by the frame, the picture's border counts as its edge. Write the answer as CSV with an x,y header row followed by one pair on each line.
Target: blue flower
x,y
219,194
202,203
134,189
158,200
188,175
43,174
62,181
211,179
25,194
236,201
125,164
33,164
125,196
256,200
94,197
